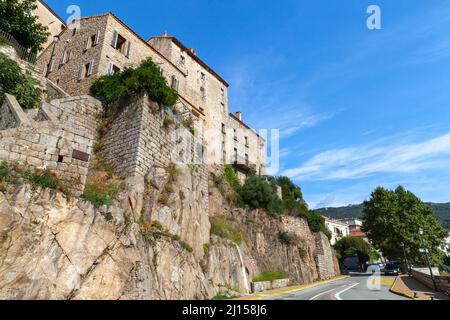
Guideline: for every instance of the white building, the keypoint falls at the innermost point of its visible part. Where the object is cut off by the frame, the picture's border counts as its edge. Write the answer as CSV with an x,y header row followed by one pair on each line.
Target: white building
x,y
339,229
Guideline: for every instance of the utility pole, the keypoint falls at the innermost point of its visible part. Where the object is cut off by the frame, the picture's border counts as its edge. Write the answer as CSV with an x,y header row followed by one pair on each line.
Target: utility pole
x,y
428,258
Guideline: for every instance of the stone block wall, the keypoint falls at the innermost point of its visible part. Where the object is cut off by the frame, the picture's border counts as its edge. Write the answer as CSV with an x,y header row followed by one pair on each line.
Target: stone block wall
x,y
325,258
58,137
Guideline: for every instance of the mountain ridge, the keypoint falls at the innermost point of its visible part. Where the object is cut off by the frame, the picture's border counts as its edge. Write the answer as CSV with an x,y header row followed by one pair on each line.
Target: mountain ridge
x,y
441,210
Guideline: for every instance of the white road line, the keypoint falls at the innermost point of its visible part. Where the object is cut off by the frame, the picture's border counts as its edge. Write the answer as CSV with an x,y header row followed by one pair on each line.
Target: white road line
x,y
321,294
338,295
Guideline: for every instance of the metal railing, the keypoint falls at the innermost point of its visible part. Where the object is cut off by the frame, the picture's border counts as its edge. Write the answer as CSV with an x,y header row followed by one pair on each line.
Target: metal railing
x,y
23,53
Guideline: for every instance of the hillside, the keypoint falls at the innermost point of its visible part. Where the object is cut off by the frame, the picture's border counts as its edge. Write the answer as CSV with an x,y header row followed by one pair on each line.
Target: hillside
x,y
441,210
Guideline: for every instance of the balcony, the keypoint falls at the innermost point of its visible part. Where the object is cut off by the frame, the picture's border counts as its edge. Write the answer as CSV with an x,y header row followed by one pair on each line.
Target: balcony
x,y
244,165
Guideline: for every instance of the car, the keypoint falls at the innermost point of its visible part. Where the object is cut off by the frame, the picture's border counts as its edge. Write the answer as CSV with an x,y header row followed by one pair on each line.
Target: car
x,y
391,270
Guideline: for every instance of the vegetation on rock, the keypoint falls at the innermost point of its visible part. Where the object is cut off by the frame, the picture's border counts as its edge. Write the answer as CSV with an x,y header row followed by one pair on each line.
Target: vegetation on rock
x,y
25,88
17,20
270,276
12,174
132,81
225,229
100,190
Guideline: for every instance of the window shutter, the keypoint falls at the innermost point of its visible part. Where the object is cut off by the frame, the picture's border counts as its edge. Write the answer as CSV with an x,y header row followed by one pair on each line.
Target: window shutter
x,y
69,55
85,45
97,37
110,68
63,58
80,73
115,38
50,64
91,65
128,49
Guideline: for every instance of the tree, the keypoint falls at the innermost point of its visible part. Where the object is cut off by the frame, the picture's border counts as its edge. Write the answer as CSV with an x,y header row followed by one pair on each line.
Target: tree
x,y
17,19
258,193
391,220
349,246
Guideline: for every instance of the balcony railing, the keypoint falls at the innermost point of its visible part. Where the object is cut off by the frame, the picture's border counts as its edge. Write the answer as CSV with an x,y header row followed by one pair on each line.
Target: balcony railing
x,y
244,164
22,52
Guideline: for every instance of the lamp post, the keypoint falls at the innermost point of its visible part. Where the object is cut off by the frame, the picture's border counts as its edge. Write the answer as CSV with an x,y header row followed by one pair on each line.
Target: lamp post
x,y
428,258
406,260
55,41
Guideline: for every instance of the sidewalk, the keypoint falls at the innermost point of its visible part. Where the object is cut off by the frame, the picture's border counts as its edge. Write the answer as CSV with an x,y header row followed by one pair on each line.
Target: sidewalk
x,y
280,291
407,286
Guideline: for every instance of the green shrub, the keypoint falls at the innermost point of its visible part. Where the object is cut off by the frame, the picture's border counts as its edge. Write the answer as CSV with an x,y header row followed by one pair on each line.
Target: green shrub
x,y
14,82
131,81
257,193
157,225
25,27
287,238
206,248
231,178
225,229
270,276
43,179
28,93
99,191
186,246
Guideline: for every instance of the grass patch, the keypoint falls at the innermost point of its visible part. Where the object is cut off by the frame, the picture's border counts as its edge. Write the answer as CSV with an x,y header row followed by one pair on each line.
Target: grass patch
x,y
221,296
100,190
186,246
270,276
224,228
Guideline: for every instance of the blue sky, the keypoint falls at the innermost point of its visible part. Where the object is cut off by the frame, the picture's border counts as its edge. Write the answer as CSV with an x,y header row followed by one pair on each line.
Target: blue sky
x,y
356,108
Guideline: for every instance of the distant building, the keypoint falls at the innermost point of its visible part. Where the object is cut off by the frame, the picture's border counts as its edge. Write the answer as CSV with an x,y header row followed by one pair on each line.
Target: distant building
x,y
446,246
339,229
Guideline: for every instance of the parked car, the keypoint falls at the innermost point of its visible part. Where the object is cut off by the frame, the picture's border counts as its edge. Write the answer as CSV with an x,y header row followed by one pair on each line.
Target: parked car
x,y
391,269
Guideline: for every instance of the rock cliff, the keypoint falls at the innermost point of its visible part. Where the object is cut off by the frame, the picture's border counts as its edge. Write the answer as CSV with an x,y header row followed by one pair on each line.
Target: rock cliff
x,y
153,243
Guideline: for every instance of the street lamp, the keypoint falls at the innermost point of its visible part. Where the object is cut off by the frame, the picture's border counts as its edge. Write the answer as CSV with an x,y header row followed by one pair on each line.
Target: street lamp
x,y
55,41
428,259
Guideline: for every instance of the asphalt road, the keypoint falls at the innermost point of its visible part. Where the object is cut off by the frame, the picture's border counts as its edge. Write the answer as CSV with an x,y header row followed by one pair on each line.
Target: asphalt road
x,y
357,287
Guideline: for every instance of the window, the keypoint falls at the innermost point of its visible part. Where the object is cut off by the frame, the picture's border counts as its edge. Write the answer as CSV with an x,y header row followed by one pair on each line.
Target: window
x,y
85,70
202,76
246,142
222,107
67,54
223,129
161,71
182,61
112,68
235,135
174,83
222,92
246,159
235,156
202,92
119,43
74,32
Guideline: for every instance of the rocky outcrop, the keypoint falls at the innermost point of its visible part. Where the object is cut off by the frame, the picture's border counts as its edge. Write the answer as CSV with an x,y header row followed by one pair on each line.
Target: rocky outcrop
x,y
154,243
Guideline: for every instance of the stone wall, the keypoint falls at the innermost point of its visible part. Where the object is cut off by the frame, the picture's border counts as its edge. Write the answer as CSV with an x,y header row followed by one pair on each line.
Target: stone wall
x,y
442,282
58,137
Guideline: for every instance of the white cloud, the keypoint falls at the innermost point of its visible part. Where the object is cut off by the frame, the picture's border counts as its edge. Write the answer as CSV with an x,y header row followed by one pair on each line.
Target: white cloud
x,y
363,161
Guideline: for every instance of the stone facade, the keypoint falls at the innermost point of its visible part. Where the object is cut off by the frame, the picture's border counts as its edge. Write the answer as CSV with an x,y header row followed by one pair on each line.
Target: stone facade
x,y
104,44
52,137
49,18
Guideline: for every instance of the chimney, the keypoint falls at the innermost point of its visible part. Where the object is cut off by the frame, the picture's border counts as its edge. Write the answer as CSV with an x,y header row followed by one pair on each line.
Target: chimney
x,y
239,115
164,34
193,51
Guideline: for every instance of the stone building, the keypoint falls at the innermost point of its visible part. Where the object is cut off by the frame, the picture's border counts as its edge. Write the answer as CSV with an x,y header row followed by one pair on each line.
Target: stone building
x,y
103,44
49,18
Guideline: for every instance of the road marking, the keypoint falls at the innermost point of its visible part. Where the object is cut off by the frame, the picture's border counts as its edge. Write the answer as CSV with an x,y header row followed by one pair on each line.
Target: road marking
x,y
321,294
338,295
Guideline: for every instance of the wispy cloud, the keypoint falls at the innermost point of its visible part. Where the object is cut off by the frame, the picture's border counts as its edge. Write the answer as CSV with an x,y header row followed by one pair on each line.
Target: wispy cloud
x,y
363,161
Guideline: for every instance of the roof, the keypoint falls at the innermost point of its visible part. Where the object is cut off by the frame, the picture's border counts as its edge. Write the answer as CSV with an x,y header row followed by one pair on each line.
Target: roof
x,y
52,12
232,116
357,233
193,56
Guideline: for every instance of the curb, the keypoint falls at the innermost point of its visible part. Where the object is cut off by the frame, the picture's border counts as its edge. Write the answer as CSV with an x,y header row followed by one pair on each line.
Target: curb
x,y
391,289
262,295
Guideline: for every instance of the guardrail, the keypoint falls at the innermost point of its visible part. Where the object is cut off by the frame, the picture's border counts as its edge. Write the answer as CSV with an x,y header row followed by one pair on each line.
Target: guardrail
x,y
22,52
